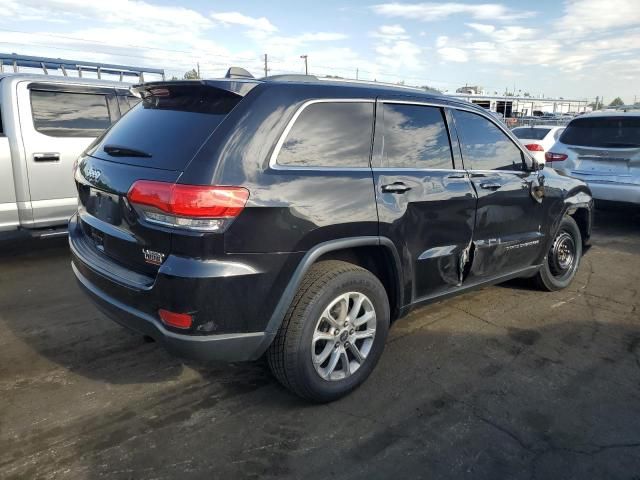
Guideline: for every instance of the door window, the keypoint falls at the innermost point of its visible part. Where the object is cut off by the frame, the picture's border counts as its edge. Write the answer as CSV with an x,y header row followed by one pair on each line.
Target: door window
x,y
415,136
484,145
127,102
64,114
330,134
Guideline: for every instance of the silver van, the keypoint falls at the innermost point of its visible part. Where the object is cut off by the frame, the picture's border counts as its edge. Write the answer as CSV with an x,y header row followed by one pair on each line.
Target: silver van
x,y
46,122
603,149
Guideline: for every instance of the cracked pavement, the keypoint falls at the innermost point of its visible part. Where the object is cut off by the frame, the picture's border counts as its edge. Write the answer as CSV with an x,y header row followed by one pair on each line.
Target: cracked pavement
x,y
504,382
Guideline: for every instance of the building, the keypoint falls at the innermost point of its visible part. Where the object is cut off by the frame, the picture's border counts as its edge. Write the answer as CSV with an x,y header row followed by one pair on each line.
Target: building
x,y
510,106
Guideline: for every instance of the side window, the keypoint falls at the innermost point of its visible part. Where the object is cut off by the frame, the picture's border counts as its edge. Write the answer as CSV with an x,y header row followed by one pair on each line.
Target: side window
x,y
127,102
330,134
484,145
63,114
415,136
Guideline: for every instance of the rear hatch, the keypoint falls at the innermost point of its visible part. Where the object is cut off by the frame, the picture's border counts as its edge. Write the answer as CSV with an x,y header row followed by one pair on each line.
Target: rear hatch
x,y
605,148
153,142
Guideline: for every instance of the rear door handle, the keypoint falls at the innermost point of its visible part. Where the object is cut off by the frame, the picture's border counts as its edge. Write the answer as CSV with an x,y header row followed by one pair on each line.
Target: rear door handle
x,y
397,187
46,157
490,186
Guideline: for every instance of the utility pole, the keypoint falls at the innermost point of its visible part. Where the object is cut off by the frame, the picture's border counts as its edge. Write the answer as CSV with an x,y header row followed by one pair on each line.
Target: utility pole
x,y
306,65
266,69
198,66
357,72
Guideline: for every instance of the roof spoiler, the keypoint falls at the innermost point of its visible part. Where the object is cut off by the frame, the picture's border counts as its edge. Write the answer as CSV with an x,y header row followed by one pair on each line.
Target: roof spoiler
x,y
239,87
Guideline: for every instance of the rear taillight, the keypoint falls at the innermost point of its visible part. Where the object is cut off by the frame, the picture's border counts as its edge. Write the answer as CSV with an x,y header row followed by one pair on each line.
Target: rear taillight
x,y
554,157
196,207
534,147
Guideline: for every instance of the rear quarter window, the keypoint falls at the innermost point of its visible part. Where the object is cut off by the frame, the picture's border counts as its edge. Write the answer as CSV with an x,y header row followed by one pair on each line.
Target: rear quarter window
x,y
63,114
330,134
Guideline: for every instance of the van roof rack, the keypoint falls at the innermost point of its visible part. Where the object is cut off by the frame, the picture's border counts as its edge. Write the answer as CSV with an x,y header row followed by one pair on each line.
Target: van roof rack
x,y
15,61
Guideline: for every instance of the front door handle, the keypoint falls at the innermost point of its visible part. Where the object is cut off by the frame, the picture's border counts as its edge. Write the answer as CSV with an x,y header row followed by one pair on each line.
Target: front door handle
x,y
490,186
397,187
46,157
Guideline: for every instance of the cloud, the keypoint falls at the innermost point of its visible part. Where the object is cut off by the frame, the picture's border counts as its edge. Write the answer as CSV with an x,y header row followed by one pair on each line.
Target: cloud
x,y
261,24
584,16
453,54
431,11
390,33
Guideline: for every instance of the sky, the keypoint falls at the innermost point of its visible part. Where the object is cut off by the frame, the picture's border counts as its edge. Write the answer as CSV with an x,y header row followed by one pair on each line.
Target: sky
x,y
575,49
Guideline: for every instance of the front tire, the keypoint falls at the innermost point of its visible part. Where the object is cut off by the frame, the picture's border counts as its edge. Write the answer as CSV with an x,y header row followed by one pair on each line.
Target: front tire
x,y
563,259
333,333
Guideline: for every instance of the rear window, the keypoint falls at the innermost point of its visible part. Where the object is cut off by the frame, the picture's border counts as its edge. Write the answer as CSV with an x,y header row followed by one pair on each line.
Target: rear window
x,y
64,114
531,133
166,130
330,134
603,132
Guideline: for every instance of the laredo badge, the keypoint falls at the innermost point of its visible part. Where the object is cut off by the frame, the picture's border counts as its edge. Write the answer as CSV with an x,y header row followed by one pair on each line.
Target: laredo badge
x,y
154,258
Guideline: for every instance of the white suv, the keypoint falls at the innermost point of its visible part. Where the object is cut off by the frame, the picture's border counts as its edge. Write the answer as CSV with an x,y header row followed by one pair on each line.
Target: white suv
x,y
603,149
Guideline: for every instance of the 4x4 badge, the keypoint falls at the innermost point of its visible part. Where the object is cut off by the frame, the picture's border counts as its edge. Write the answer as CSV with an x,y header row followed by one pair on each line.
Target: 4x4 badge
x,y
154,258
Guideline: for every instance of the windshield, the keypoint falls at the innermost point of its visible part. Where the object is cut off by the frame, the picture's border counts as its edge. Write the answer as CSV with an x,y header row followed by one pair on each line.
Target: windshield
x,y
603,132
531,133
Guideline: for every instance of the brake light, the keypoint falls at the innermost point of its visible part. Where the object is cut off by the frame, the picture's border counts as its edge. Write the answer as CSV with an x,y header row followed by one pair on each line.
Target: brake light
x,y
555,157
198,207
534,147
172,319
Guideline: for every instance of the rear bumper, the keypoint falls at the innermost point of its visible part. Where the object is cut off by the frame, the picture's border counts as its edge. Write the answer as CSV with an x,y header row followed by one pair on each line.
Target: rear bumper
x,y
230,298
615,192
231,347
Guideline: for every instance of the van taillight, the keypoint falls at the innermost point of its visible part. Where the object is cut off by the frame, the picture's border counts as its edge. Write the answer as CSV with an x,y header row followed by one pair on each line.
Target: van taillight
x,y
195,207
555,157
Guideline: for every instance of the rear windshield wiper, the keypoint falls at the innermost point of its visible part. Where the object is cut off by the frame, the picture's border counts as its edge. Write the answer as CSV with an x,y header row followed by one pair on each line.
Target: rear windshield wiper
x,y
118,151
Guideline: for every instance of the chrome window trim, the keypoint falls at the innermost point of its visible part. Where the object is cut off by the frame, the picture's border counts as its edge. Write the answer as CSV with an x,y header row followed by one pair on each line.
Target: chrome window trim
x,y
274,165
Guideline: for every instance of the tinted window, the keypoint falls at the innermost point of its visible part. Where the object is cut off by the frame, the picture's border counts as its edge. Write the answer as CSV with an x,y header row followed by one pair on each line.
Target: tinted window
x,y
127,102
170,127
604,132
415,137
557,134
531,133
62,114
334,134
484,145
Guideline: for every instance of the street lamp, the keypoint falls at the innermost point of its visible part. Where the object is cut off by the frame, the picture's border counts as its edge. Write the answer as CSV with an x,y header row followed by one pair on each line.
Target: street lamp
x,y
306,65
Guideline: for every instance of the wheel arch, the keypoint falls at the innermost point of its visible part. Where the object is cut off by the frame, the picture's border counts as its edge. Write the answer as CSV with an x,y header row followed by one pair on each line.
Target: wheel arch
x,y
377,253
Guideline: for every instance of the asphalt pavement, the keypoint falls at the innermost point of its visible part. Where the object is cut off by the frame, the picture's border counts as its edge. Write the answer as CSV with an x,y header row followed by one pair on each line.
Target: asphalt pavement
x,y
502,383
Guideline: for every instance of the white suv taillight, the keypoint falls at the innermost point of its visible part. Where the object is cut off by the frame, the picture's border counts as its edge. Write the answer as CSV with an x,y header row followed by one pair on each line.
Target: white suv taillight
x,y
194,207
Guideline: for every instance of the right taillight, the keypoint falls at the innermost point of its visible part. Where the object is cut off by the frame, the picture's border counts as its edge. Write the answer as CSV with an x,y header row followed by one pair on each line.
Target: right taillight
x,y
554,157
195,207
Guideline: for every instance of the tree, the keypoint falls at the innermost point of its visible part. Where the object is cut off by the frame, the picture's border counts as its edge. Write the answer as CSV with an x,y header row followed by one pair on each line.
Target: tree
x,y
617,102
192,75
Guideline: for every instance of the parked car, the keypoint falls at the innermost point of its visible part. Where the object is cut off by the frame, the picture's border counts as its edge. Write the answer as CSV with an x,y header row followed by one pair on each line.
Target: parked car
x,y
297,218
603,149
46,122
538,139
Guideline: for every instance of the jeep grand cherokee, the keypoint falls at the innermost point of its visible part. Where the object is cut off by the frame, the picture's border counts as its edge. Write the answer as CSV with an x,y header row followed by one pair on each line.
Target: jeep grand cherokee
x,y
297,218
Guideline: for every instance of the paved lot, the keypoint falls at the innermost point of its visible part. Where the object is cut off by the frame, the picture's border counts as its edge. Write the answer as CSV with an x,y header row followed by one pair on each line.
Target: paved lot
x,y
505,382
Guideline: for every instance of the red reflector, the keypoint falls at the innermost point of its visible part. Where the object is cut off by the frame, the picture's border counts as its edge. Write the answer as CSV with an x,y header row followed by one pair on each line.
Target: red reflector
x,y
534,147
190,200
555,157
178,320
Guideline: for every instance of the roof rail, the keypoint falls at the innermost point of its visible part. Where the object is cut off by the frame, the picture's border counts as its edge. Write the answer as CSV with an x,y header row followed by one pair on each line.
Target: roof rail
x,y
16,61
290,77
374,82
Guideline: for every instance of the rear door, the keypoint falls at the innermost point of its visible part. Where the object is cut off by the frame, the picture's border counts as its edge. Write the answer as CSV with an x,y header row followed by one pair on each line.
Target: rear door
x,y
425,205
58,122
508,226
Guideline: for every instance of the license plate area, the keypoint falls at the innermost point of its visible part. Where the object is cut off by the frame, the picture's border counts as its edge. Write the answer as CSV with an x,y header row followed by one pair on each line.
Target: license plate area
x,y
104,206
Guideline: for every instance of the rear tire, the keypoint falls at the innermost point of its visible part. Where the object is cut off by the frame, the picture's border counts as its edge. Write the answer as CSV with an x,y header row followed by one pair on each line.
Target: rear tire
x,y
333,333
563,259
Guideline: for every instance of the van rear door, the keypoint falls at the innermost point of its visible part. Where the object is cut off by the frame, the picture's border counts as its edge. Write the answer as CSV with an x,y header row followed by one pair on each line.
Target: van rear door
x,y
58,121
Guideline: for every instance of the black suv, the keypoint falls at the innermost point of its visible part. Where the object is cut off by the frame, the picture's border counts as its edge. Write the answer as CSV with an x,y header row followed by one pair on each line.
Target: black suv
x,y
297,218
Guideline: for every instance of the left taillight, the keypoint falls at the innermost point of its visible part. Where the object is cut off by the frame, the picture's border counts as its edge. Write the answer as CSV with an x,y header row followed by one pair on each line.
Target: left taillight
x,y
534,147
194,207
